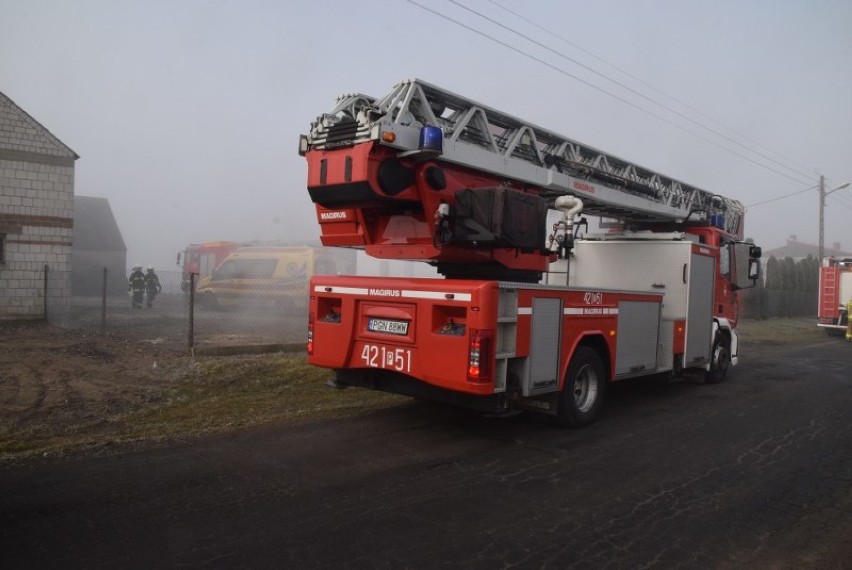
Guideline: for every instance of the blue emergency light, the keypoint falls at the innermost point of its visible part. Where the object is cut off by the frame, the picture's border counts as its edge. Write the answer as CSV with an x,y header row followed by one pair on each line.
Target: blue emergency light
x,y
432,139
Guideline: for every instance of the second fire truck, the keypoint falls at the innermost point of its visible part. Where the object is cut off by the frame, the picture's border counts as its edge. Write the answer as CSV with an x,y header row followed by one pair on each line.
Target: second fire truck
x,y
835,294
202,259
535,312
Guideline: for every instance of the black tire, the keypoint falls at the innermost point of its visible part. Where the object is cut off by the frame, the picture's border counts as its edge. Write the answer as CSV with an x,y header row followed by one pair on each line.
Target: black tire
x,y
720,359
583,393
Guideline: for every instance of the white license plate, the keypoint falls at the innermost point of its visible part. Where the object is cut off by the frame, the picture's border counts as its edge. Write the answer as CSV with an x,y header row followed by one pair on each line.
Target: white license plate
x,y
388,326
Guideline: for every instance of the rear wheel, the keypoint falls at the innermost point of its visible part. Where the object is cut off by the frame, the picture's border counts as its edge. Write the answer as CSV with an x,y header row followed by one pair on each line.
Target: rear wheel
x,y
582,395
720,360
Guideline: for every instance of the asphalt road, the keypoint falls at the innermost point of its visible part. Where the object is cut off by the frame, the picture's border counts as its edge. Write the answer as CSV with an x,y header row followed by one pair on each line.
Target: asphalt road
x,y
752,473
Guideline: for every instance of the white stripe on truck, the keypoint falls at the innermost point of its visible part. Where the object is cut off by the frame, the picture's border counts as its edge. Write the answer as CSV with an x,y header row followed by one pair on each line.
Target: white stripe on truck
x,y
385,293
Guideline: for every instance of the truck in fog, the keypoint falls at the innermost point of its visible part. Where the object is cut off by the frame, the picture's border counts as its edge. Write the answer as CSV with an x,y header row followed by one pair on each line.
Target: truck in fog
x,y
835,294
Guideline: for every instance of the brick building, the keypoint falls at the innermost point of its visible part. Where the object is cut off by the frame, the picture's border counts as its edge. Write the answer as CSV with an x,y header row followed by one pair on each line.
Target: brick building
x,y
36,216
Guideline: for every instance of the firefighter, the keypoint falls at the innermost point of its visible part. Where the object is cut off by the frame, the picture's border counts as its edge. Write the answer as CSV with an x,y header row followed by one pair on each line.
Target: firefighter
x,y
136,286
849,320
152,286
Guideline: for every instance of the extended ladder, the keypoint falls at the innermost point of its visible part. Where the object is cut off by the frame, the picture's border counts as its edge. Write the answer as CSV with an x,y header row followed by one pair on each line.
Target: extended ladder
x,y
482,138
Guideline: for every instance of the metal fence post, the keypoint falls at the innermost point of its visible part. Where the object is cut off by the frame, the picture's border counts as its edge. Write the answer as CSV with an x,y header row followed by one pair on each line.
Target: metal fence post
x,y
103,303
192,314
46,271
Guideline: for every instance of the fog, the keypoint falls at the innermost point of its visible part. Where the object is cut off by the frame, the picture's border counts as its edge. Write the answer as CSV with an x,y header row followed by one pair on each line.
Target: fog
x,y
186,115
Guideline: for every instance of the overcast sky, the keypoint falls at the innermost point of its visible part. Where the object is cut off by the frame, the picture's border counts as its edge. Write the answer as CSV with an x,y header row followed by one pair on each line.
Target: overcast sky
x,y
186,115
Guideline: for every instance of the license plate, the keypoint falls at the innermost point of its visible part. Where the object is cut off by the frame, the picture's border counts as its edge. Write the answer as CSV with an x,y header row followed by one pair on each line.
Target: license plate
x,y
388,326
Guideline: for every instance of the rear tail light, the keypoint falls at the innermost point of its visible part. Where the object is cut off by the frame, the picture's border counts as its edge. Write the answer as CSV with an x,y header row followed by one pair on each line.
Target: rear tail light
x,y
310,333
479,356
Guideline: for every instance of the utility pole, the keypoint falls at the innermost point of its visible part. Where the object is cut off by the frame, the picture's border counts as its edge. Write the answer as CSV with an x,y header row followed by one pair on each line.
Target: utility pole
x,y
822,195
821,217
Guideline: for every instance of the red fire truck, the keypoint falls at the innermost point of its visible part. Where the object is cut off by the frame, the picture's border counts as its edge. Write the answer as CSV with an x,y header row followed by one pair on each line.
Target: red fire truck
x,y
202,259
522,321
835,293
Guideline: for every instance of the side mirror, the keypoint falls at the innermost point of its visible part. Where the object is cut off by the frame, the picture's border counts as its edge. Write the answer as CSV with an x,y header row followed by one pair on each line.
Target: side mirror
x,y
745,265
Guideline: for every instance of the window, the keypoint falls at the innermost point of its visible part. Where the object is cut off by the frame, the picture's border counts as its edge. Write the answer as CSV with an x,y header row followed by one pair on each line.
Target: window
x,y
246,269
725,261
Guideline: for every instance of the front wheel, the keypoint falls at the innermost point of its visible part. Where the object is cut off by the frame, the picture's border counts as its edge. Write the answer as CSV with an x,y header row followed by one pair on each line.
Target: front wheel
x,y
720,360
582,395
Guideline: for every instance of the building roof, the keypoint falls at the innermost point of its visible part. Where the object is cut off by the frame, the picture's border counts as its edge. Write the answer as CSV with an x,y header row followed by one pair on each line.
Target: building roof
x,y
36,139
797,250
95,228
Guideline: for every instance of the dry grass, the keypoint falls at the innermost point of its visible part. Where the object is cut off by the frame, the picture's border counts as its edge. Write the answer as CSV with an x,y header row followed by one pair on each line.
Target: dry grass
x,y
211,395
793,330
216,394
233,392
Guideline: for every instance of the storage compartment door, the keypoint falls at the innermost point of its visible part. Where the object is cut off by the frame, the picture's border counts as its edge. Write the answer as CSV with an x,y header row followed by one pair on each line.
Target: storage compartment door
x,y
845,288
699,324
638,335
545,334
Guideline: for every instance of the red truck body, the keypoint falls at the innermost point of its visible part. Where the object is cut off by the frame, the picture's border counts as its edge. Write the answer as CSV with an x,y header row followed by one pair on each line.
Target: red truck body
x,y
202,259
835,293
521,321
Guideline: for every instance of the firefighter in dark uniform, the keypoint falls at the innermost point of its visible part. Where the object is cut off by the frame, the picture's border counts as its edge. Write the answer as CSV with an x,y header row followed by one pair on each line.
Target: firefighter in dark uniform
x,y
152,286
136,286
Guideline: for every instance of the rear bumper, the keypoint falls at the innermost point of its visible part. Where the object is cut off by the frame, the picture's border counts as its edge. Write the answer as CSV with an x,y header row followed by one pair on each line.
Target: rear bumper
x,y
397,383
838,323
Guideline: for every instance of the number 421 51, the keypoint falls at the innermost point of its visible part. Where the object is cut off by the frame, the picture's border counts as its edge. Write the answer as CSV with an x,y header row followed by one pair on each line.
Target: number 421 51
x,y
398,359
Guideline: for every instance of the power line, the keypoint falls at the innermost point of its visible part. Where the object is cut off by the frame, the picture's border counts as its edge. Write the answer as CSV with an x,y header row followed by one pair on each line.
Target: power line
x,y
842,202
750,206
836,195
802,169
842,198
628,88
602,90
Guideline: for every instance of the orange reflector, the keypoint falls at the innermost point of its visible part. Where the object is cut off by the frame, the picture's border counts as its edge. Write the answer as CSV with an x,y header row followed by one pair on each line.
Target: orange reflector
x,y
389,136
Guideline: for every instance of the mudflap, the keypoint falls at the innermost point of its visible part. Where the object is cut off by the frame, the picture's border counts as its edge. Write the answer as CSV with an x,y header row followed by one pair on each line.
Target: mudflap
x,y
547,404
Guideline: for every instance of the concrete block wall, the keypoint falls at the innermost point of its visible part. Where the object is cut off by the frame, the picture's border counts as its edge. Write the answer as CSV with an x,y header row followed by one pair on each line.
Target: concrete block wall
x,y
36,216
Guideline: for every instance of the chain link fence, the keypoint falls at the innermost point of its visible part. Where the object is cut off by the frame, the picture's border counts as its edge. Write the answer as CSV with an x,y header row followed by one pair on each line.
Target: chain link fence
x,y
260,313
243,311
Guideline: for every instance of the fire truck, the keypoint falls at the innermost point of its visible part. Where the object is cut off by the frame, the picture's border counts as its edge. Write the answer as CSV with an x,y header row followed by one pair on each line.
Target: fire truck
x,y
835,293
535,312
202,259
